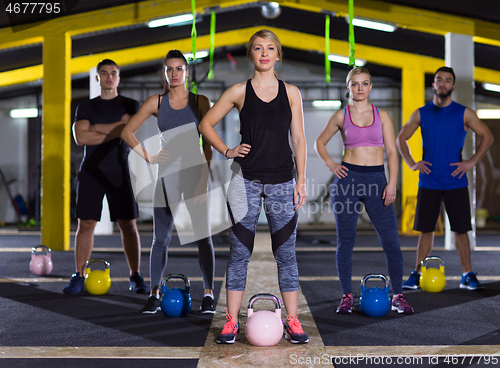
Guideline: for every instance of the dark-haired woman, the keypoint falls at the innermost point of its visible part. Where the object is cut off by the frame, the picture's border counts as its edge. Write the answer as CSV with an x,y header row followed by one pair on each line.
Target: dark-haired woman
x,y
182,173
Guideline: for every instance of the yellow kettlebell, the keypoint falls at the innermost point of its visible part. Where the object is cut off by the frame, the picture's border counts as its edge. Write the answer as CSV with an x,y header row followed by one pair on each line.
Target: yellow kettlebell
x,y
97,282
432,280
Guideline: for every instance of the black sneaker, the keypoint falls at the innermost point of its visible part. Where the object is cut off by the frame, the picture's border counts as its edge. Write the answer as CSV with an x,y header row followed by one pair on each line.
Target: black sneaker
x,y
207,305
152,306
76,284
137,284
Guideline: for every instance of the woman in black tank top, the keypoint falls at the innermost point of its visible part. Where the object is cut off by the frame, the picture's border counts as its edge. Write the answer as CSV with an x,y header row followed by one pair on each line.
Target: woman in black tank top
x,y
270,112
176,110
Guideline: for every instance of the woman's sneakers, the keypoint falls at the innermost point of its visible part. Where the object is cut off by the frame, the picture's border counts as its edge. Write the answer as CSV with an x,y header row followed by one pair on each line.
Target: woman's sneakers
x,y
346,304
400,304
152,305
231,331
294,331
207,304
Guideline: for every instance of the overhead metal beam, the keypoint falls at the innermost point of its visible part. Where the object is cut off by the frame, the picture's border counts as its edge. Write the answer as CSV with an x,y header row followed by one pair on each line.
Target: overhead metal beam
x,y
126,15
291,39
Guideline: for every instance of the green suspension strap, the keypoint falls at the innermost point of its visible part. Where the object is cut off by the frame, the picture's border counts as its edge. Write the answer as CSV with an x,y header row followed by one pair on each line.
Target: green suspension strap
x,y
352,45
212,42
194,87
327,48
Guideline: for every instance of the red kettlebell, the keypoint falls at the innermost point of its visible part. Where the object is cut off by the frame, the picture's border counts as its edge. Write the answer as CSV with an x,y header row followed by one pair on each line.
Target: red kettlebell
x,y
264,328
40,264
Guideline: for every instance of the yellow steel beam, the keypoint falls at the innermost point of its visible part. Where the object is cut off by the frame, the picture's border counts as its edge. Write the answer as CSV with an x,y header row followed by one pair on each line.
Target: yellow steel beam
x,y
405,17
412,97
126,15
292,39
22,75
23,41
56,134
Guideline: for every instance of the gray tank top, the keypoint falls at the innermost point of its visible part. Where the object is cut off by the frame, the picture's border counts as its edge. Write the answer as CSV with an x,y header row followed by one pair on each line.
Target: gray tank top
x,y
169,118
179,135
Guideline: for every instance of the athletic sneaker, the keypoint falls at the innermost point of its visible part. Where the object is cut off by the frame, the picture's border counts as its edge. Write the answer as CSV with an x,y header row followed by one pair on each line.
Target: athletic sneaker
x,y
400,304
231,331
76,284
207,305
346,304
136,284
470,282
413,281
294,331
152,306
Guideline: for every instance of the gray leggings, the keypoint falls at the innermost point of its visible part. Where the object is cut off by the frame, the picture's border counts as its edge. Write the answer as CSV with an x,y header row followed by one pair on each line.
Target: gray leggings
x,y
163,221
244,204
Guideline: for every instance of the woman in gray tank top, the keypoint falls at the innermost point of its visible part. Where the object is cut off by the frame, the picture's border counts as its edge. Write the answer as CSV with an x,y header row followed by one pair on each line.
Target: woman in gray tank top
x,y
182,174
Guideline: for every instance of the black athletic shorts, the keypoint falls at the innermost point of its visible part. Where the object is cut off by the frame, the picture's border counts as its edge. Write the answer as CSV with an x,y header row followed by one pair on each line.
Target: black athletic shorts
x,y
456,203
118,189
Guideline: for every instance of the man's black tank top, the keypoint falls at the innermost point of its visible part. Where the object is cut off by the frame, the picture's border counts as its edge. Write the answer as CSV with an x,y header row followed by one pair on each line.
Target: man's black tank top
x,y
265,126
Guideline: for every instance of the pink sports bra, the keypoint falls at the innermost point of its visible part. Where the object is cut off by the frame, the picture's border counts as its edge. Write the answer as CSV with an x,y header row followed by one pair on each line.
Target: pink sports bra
x,y
357,136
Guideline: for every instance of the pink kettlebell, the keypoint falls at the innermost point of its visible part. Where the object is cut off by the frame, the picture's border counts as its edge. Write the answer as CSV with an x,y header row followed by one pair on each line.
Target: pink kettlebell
x,y
40,264
264,328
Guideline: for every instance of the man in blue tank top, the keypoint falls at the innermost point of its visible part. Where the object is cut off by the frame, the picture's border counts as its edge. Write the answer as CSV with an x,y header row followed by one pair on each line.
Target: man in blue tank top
x,y
444,124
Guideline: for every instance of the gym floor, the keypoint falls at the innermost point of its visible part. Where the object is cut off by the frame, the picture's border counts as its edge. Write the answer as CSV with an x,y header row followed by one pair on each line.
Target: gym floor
x,y
42,327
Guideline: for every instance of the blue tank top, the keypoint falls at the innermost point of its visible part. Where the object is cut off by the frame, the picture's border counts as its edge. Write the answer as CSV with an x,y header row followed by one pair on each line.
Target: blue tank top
x,y
443,137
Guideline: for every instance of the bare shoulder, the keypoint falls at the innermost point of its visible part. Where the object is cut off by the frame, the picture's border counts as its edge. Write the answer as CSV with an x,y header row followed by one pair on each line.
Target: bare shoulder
x,y
292,90
384,115
338,118
238,88
469,113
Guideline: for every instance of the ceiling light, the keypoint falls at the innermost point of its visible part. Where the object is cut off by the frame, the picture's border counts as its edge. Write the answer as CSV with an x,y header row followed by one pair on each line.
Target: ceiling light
x,y
491,87
199,55
371,24
24,113
270,10
345,60
327,104
488,113
176,20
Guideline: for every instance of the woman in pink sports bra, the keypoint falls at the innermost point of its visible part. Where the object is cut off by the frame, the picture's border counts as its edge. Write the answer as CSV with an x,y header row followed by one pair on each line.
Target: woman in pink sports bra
x,y
360,184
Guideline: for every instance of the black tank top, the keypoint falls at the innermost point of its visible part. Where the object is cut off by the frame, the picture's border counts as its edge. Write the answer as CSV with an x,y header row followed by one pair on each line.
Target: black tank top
x,y
265,126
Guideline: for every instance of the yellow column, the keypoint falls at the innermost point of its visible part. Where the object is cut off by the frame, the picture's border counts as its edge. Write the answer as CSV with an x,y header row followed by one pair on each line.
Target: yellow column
x,y
413,97
56,135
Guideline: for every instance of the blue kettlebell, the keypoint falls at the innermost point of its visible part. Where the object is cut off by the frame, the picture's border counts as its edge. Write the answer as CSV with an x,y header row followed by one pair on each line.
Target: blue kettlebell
x,y
176,302
374,302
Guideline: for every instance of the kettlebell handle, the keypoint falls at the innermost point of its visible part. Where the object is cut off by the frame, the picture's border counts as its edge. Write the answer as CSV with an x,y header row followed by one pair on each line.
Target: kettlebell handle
x,y
263,296
432,258
47,249
375,276
187,283
100,260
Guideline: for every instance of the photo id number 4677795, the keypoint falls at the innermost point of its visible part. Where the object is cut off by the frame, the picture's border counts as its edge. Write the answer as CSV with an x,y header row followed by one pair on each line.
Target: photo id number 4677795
x,y
32,8
470,359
